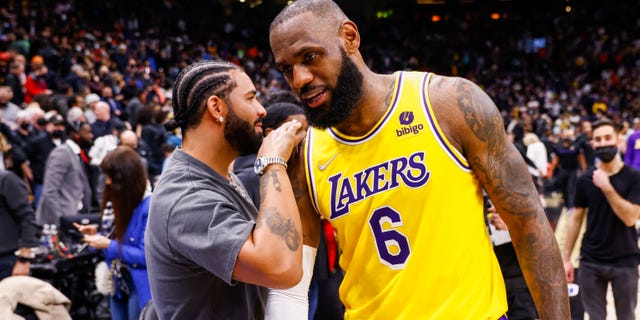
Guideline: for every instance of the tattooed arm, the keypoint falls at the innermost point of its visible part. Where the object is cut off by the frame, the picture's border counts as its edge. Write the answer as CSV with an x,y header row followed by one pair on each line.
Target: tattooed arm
x,y
474,126
272,255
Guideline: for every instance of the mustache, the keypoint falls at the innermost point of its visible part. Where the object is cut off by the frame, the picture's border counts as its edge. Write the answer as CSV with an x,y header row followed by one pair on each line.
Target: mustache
x,y
311,87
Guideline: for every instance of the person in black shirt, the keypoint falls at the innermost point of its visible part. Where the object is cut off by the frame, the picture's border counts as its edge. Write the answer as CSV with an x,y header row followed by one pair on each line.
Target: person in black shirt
x,y
609,253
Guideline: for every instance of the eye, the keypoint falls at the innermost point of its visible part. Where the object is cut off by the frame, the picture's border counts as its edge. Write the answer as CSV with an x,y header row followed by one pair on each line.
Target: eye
x,y
285,69
310,57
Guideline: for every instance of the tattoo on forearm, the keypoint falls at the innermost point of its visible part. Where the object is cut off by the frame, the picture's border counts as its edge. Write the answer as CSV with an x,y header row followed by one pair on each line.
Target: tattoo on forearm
x,y
544,262
264,183
281,226
273,174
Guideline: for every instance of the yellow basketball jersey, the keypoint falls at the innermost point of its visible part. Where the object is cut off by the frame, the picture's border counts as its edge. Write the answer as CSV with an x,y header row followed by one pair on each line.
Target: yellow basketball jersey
x,y
409,216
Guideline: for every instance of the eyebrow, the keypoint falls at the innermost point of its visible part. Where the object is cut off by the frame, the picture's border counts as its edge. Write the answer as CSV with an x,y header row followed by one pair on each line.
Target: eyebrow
x,y
300,52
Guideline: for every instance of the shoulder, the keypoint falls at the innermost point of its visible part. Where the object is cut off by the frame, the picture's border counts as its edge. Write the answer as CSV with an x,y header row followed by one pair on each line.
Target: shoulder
x,y
465,112
143,207
631,172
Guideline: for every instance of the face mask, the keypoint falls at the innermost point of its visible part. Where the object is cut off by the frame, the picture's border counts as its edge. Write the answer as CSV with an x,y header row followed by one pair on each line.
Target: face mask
x,y
57,134
606,154
25,126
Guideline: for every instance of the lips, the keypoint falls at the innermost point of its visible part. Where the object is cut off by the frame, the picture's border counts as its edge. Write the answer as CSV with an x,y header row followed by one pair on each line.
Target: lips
x,y
316,99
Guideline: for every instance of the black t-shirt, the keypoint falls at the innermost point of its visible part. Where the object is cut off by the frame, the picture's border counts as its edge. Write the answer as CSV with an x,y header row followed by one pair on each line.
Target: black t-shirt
x,y
607,239
567,156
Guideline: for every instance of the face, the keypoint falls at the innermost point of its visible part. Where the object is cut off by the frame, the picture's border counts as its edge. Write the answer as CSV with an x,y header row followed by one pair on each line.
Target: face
x,y
85,136
107,92
604,136
243,124
320,72
605,143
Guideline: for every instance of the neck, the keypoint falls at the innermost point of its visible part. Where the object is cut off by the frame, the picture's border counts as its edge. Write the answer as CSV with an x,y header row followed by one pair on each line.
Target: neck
x,y
612,167
377,90
215,152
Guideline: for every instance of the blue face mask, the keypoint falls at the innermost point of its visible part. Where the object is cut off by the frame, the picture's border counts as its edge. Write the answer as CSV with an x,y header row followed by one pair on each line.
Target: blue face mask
x,y
607,153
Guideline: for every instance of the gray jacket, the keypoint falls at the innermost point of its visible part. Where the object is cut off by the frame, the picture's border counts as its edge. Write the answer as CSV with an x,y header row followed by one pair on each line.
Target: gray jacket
x,y
65,186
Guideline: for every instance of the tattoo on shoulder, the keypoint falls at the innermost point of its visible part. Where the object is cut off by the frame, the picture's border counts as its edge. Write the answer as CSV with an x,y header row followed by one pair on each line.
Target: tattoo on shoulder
x,y
470,101
281,226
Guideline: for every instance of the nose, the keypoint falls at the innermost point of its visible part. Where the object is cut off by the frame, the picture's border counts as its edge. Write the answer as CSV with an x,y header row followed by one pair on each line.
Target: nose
x,y
301,77
262,112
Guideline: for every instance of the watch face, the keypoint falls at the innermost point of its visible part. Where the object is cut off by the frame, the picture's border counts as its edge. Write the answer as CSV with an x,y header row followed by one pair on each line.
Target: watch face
x,y
257,166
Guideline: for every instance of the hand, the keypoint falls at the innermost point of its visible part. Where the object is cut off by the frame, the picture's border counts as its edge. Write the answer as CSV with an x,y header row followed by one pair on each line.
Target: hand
x,y
601,180
21,269
568,269
495,219
97,241
89,229
280,142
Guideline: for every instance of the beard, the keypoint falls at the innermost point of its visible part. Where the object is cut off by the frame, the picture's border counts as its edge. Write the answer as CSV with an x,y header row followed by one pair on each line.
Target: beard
x,y
241,134
345,96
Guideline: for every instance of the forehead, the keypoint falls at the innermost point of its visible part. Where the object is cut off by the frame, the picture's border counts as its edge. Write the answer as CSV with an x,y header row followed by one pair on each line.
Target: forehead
x,y
243,82
300,32
605,130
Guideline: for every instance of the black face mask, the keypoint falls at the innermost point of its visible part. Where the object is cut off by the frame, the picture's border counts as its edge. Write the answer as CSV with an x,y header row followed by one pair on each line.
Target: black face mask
x,y
41,122
25,126
606,154
58,134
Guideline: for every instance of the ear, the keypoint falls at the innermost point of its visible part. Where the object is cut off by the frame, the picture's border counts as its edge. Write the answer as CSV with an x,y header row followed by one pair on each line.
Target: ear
x,y
351,36
215,106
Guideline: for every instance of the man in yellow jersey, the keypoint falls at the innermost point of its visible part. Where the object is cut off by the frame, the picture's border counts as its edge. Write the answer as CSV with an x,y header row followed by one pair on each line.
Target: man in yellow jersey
x,y
397,163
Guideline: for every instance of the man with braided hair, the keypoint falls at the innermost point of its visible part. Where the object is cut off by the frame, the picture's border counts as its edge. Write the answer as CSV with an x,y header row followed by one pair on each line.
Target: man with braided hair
x,y
397,163
210,252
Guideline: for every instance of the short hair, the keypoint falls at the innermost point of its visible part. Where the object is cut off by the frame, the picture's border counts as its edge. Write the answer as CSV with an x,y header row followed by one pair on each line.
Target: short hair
x,y
193,86
280,96
278,112
604,122
325,10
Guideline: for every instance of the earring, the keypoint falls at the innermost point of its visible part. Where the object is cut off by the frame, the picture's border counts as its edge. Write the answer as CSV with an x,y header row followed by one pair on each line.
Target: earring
x,y
221,119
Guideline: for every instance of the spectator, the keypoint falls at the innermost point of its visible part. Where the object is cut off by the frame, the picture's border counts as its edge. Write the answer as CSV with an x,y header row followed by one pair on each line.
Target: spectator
x,y
66,183
17,228
16,79
8,110
125,188
90,106
116,108
609,251
104,123
40,146
632,154
154,135
36,80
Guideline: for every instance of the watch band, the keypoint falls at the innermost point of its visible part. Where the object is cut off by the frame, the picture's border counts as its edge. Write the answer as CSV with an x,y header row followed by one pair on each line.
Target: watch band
x,y
264,162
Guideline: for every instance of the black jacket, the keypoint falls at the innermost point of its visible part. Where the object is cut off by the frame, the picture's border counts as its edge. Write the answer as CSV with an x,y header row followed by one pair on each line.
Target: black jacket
x,y
17,228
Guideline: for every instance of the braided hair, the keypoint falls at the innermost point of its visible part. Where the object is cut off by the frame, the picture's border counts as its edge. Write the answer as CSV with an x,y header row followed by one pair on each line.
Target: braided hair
x,y
193,86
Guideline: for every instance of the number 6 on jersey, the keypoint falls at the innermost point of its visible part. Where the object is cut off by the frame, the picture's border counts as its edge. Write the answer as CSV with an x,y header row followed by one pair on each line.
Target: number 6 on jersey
x,y
392,246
